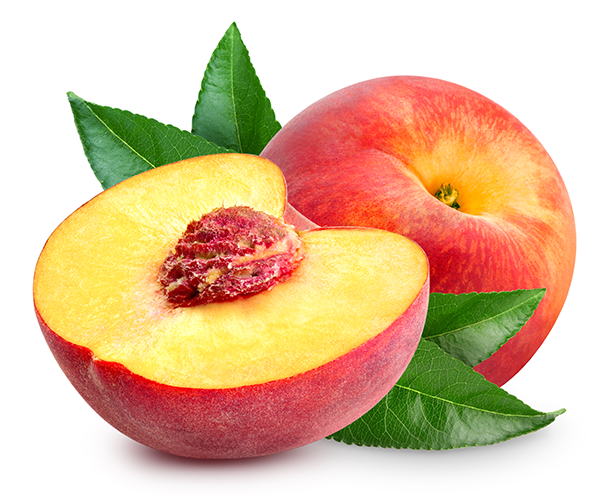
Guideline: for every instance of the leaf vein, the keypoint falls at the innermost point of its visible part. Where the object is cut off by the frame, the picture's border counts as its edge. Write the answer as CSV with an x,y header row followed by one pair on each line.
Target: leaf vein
x,y
233,101
485,320
120,139
462,405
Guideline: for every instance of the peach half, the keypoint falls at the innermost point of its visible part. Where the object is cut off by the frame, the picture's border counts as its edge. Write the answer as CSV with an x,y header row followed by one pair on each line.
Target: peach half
x,y
195,319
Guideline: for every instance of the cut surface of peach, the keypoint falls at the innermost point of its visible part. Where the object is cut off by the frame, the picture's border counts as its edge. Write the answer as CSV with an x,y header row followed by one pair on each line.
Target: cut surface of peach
x,y
96,282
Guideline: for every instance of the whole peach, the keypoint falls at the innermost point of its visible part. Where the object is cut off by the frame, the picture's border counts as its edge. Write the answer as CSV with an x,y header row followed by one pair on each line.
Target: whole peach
x,y
397,153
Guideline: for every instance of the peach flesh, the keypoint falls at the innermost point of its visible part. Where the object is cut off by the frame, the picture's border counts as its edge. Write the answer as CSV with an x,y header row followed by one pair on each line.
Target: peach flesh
x,y
374,154
247,421
252,399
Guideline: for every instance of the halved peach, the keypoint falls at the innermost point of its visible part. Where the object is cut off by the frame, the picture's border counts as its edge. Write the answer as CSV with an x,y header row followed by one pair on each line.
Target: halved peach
x,y
122,291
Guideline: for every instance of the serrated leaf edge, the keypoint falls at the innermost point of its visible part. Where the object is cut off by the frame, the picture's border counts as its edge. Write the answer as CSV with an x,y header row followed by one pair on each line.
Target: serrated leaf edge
x,y
72,96
533,298
232,31
551,415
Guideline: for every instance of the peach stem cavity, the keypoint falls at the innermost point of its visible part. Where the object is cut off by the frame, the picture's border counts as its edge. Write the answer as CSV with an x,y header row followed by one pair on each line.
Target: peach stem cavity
x,y
229,253
448,195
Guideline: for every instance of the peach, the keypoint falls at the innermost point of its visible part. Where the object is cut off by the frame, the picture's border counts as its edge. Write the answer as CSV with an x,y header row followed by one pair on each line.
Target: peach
x,y
451,170
191,315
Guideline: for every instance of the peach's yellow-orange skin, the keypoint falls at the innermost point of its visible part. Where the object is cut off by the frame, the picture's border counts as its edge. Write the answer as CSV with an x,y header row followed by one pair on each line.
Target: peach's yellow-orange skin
x,y
374,154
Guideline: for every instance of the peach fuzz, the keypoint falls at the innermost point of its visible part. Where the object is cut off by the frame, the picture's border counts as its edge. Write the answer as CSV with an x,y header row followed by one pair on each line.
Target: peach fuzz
x,y
249,376
377,153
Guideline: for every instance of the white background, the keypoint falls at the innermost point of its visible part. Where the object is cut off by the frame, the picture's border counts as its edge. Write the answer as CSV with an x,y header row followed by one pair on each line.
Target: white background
x,y
538,59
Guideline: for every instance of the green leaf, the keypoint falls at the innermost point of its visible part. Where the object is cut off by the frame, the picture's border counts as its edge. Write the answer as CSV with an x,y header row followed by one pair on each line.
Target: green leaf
x,y
440,403
473,326
120,144
232,108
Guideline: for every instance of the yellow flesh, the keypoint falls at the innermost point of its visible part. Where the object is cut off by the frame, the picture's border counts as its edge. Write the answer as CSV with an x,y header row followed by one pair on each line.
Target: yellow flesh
x,y
95,284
